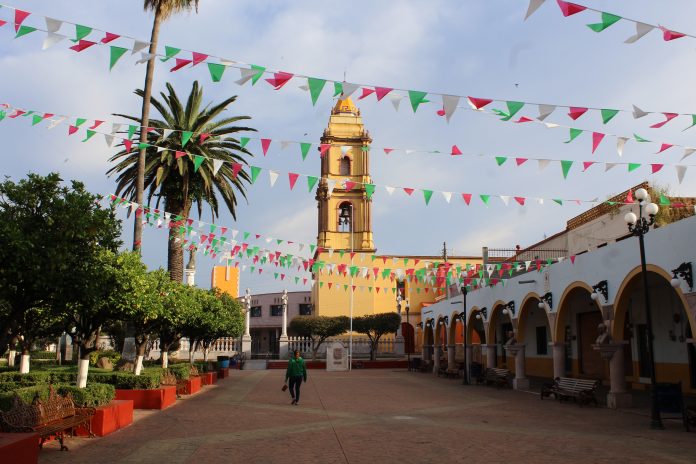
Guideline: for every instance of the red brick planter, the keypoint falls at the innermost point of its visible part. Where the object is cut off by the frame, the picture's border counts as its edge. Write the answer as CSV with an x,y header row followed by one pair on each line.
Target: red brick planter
x,y
209,378
158,398
109,418
19,447
223,373
193,385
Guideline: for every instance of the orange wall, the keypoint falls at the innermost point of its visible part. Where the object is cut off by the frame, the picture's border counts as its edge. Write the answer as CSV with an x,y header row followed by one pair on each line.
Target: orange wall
x,y
226,279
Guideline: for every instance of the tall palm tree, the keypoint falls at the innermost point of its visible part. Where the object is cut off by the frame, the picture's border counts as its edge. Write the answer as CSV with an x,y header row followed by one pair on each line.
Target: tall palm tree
x,y
163,10
175,180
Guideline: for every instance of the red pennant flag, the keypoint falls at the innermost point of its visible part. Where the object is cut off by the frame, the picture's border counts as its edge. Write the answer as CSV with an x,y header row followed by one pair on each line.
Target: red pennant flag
x,y
265,143
377,288
384,259
349,185
365,93
467,198
198,58
279,79
456,150
96,124
16,114
382,92
656,167
576,112
20,16
523,119
572,259
323,148
667,35
330,284
664,146
204,136
596,140
408,191
48,115
73,129
669,117
520,200
375,270
479,102
109,38
520,161
180,63
629,197
352,254
82,45
179,154
293,179
353,287
388,150
569,9
304,281
2,23
128,144
236,167
586,164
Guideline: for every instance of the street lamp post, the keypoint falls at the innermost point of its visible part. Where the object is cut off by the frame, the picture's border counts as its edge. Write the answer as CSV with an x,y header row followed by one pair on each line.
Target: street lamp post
x,y
463,318
406,345
639,226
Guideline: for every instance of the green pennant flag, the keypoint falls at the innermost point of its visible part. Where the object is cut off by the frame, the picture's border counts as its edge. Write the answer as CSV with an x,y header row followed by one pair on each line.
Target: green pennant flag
x,y
639,138
311,248
500,160
131,130
607,20
485,198
608,115
115,55
573,134
255,171
251,269
243,141
170,52
197,161
2,115
311,182
560,202
216,70
338,89
305,146
321,284
416,97
24,30
315,88
81,32
275,275
513,108
633,166
80,121
90,133
246,235
369,190
664,200
35,119
693,122
427,194
258,75
28,113
374,257
143,145
342,252
565,166
611,203
185,137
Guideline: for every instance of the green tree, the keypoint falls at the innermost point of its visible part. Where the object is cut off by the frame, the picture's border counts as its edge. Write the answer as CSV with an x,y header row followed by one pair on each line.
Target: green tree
x,y
318,329
375,326
178,181
220,316
49,232
163,10
181,304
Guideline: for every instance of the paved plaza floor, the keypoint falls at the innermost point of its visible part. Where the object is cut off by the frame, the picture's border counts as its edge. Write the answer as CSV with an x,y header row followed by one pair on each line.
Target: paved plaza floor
x,y
377,416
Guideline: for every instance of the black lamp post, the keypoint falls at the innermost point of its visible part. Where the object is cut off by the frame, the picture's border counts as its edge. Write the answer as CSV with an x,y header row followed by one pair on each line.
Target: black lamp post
x,y
462,316
639,226
408,348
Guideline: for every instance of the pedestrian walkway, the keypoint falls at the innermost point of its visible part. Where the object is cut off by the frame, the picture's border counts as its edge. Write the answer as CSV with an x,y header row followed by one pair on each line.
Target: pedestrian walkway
x,y
377,416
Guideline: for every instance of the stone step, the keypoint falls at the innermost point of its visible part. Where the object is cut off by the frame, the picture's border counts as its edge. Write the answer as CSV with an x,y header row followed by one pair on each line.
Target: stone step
x,y
254,365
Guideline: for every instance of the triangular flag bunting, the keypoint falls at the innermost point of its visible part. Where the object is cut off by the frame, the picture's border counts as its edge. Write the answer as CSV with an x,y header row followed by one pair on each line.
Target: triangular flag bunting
x,y
115,54
417,98
311,182
573,134
292,177
565,167
607,20
216,71
569,9
596,140
315,87
608,115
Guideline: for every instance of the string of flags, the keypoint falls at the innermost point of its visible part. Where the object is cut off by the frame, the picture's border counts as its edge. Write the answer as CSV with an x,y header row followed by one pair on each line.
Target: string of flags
x,y
129,144
609,19
253,73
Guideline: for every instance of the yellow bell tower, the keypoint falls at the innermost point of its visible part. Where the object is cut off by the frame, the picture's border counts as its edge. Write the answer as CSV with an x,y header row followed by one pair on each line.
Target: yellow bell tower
x,y
345,211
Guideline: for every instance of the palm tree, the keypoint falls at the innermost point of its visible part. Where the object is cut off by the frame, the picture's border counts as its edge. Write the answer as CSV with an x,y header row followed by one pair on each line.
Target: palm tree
x,y
163,10
175,180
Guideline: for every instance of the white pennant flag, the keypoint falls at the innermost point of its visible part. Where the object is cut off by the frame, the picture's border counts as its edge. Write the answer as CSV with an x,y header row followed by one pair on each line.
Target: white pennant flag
x,y
533,6
109,139
51,39
247,74
447,196
395,100
449,104
54,122
620,143
284,144
608,166
551,125
304,87
345,149
273,177
390,190
166,133
408,152
138,46
300,246
145,57
115,127
543,163
545,111
505,199
681,170
348,89
53,25
331,252
641,30
688,152
160,149
217,164
234,233
638,113
330,184
526,265
540,201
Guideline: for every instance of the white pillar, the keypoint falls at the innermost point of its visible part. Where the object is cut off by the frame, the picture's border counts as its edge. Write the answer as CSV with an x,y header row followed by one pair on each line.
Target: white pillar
x,y
617,397
283,340
491,355
246,338
558,359
520,382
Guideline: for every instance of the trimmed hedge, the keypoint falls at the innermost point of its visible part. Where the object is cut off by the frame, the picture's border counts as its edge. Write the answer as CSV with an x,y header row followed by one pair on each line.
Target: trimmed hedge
x,y
114,356
181,371
147,380
92,396
42,354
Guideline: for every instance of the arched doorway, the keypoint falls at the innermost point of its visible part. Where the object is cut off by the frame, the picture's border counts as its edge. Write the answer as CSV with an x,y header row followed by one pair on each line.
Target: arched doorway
x,y
534,331
499,329
476,336
409,337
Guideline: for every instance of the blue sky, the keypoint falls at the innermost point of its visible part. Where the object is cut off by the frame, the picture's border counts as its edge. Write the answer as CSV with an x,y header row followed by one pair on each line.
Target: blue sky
x,y
479,48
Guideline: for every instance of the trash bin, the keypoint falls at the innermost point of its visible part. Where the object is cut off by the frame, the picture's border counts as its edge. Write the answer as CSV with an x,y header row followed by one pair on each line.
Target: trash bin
x,y
223,362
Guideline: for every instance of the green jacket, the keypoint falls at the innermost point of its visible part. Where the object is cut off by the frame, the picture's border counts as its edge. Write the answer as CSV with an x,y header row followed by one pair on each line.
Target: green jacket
x,y
296,368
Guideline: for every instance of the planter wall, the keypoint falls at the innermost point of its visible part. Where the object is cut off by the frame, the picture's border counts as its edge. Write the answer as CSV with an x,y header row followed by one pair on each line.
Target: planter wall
x,y
158,398
209,378
19,447
193,385
223,373
109,418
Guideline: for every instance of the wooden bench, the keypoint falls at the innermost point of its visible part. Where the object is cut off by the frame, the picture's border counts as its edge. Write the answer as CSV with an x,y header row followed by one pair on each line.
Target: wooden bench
x,y
498,377
581,391
55,416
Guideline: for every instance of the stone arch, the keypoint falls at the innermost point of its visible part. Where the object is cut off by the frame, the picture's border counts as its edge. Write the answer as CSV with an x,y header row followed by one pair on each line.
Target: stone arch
x,y
530,299
558,328
452,332
428,333
496,310
438,328
470,324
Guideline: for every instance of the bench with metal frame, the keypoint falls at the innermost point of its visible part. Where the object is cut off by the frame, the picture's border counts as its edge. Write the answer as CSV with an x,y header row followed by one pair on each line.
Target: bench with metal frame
x,y
582,391
498,377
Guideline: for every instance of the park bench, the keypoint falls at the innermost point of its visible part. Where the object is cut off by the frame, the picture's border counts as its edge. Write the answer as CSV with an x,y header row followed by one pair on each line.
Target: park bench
x,y
498,377
53,417
563,388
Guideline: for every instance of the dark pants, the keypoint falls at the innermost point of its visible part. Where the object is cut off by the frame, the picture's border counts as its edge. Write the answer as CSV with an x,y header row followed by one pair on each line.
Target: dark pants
x,y
295,383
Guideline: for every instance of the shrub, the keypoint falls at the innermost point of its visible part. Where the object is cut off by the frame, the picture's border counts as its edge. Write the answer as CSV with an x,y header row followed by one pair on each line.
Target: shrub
x,y
114,356
181,370
92,396
34,377
43,355
128,381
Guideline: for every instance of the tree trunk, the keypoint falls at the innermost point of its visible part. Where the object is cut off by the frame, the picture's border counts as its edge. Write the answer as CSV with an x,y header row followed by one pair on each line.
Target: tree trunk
x,y
140,347
145,121
175,255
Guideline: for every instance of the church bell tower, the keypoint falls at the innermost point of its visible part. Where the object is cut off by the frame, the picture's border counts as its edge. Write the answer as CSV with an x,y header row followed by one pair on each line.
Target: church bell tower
x,y
345,210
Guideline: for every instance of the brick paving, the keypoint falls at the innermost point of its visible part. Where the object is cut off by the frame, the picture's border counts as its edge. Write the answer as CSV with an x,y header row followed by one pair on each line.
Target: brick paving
x,y
377,415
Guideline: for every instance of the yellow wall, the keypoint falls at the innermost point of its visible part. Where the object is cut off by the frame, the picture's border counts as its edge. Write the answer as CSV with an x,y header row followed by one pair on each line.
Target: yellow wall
x,y
226,279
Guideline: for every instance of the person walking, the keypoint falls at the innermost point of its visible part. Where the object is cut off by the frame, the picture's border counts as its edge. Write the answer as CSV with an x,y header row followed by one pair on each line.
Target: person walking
x,y
296,372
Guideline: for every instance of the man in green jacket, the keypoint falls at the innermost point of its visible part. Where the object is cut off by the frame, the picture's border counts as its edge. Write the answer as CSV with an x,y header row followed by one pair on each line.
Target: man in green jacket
x,y
296,372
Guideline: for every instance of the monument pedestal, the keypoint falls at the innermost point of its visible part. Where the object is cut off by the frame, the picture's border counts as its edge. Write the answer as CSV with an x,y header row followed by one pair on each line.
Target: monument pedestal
x,y
617,397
